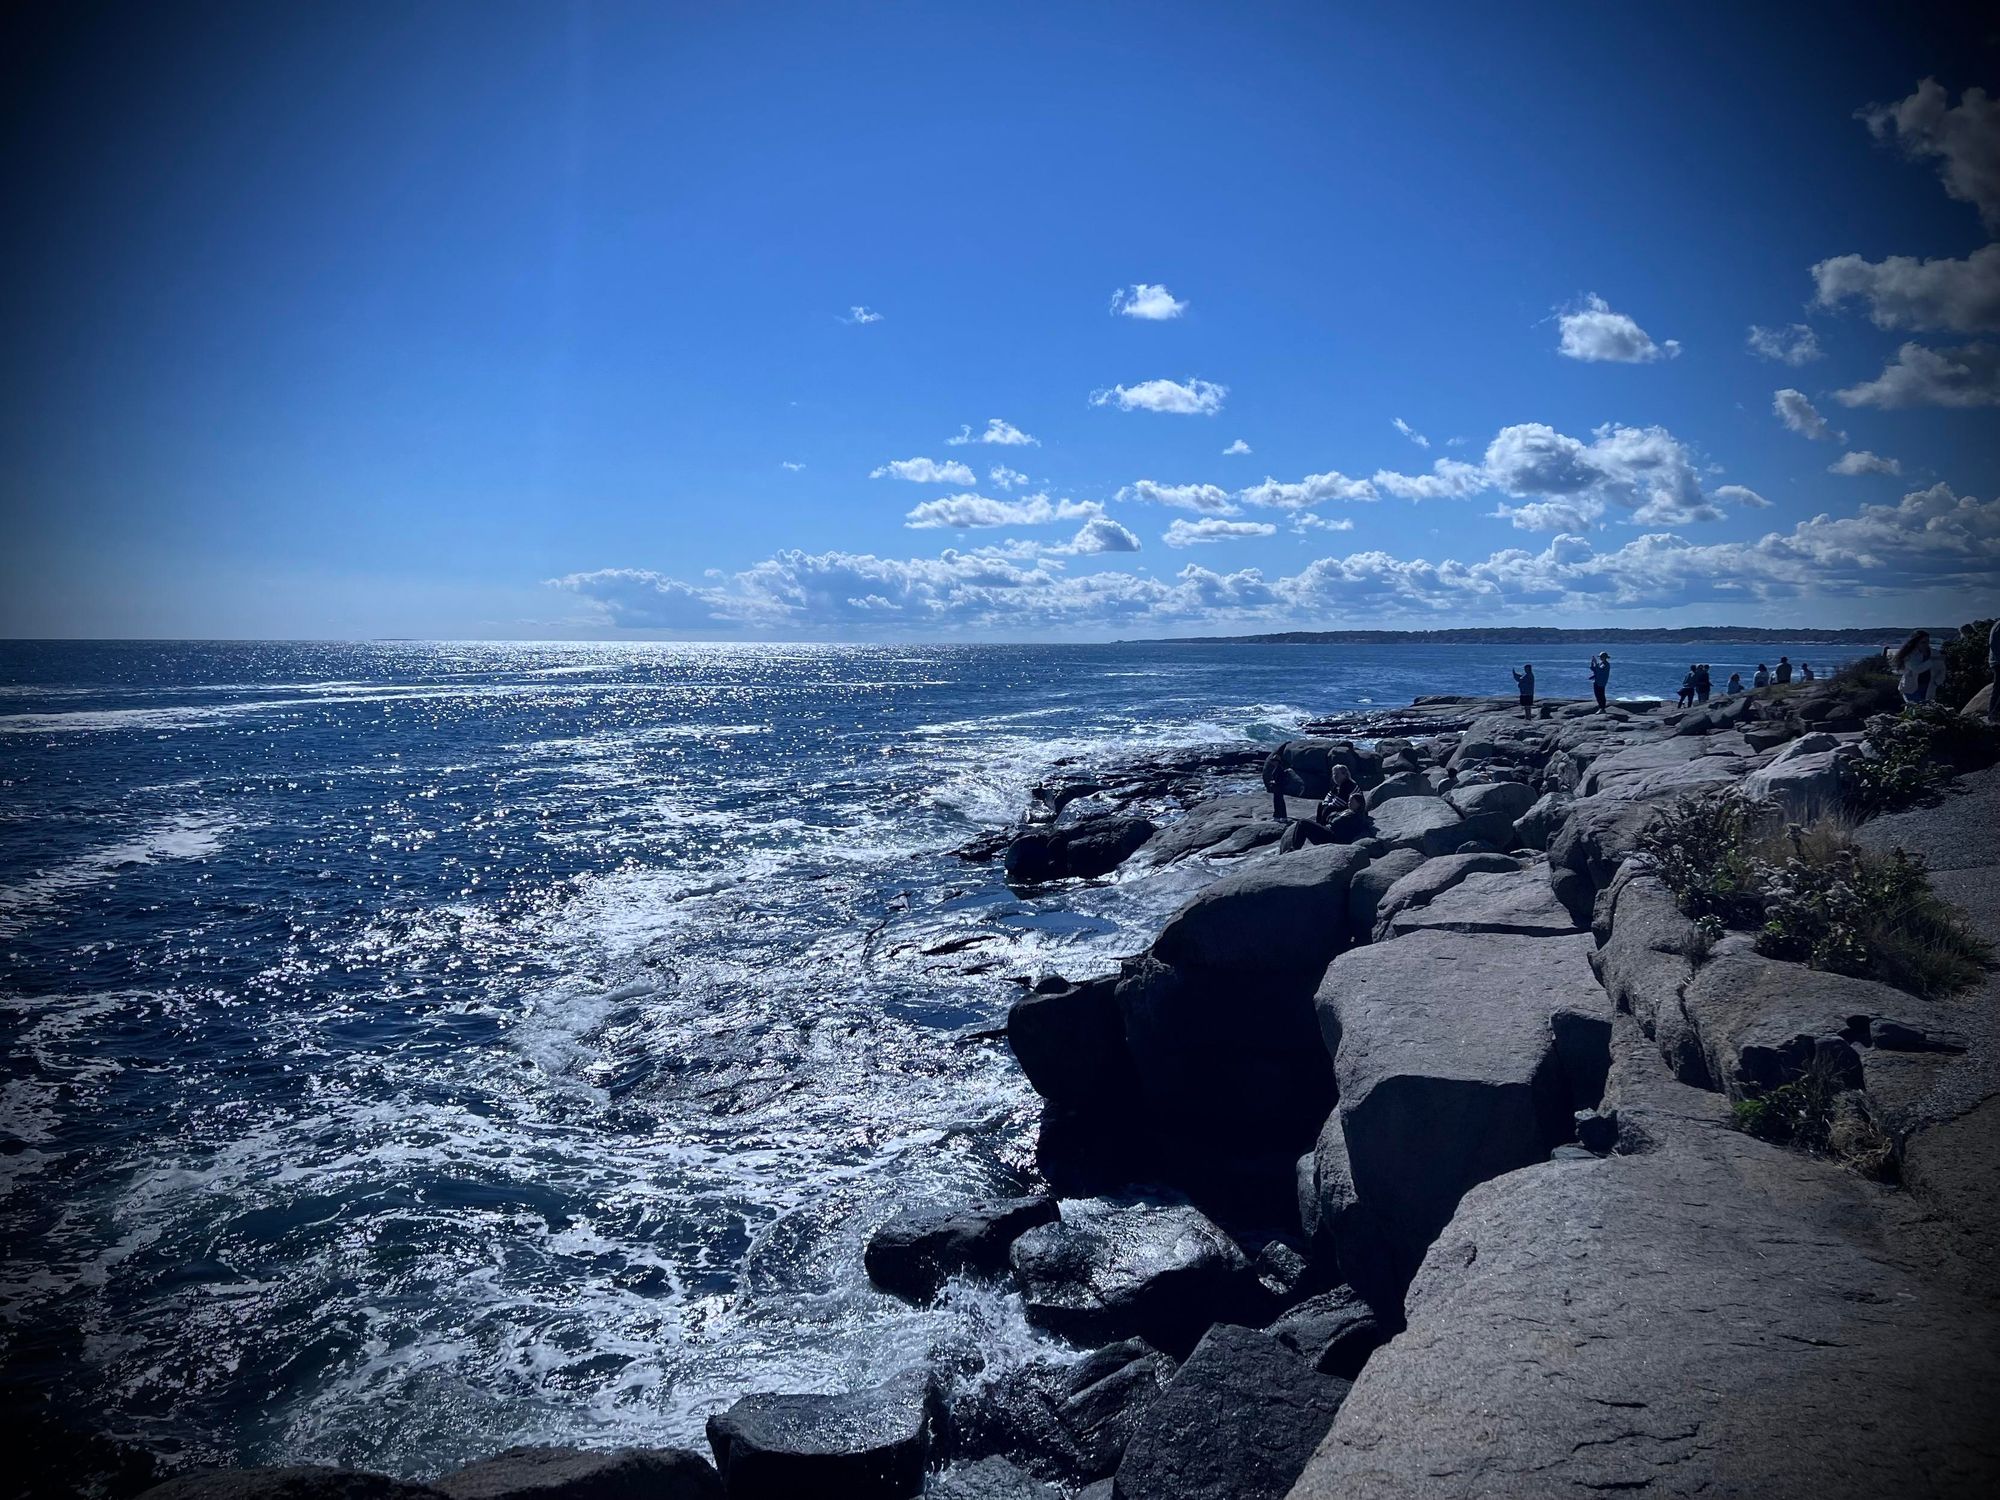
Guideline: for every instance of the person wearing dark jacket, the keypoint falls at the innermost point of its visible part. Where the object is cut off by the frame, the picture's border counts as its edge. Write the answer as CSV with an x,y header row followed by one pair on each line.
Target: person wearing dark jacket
x,y
1525,681
1784,670
1600,676
1274,781
1702,686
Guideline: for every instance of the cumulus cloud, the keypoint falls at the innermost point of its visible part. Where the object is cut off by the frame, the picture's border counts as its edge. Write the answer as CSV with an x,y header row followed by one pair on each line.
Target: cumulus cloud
x,y
1798,413
1314,489
861,315
1306,521
1239,446
1006,478
786,463
1861,461
1958,296
1965,139
1449,479
1102,534
1593,332
1209,529
1739,495
1410,432
1195,398
1204,497
1146,300
1931,539
971,512
1004,433
1579,514
1967,376
925,471
1794,344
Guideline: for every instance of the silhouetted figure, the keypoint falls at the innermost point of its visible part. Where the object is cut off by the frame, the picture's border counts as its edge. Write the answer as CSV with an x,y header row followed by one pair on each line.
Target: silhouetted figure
x,y
1687,690
1600,676
1525,681
1274,781
1702,685
1784,672
1805,671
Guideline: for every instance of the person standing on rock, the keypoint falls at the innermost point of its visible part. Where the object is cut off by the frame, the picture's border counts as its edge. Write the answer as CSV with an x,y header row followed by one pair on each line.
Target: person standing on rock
x,y
1784,672
1912,661
1274,782
1525,681
1702,685
1687,690
1600,676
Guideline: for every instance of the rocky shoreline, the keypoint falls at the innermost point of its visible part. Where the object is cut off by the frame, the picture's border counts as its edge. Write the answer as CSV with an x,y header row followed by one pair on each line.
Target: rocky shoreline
x,y
1409,1165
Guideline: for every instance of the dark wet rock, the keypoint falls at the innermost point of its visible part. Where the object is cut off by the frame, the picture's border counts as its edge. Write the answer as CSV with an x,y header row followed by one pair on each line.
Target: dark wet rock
x,y
1070,1041
1429,825
1428,879
1287,916
52,1460
1516,901
858,1446
1110,1271
303,1482
1457,1057
577,1474
1086,1150
989,1479
1095,846
1311,761
1714,1315
1371,883
1106,1395
1238,1423
1218,827
1282,1272
1063,1422
1334,1332
916,1251
1597,1129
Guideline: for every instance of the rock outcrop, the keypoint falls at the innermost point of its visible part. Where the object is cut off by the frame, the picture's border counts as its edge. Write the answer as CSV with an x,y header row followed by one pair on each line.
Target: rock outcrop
x,y
578,1474
299,1482
916,1251
1092,847
866,1444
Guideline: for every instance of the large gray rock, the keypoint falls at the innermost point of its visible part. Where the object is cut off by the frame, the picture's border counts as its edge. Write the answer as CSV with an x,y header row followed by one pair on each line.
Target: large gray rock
x,y
1404,784
1646,961
1070,1041
1111,1270
1506,799
1716,1316
1095,846
1238,1423
1535,827
1311,761
1501,737
867,1445
1372,883
302,1482
1669,766
1457,1057
1220,827
916,1251
1518,901
1335,1332
1063,1421
1287,916
1429,825
989,1479
1806,777
577,1474
1431,878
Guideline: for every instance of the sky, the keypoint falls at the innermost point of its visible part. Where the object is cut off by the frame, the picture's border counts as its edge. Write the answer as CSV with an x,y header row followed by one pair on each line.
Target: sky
x,y
993,322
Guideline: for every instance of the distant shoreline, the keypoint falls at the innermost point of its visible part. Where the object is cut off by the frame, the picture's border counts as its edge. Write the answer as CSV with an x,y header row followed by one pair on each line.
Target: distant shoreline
x,y
1741,635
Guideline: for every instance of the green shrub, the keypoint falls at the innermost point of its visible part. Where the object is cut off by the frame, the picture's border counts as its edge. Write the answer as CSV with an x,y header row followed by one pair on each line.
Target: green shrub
x,y
1701,849
1965,669
1814,1114
1911,753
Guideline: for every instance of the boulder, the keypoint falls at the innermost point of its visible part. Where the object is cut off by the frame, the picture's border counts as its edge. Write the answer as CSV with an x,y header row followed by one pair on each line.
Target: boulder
x,y
1509,799
1335,1332
1429,825
1105,1396
1219,827
1238,1423
1500,737
1517,901
1110,1270
1805,778
1713,1316
1371,883
1431,878
1980,704
859,1446
1457,1057
1095,846
1535,827
1411,783
1070,1041
1062,1421
1288,916
916,1251
1311,761
989,1479
301,1482
575,1474
1659,767
1646,962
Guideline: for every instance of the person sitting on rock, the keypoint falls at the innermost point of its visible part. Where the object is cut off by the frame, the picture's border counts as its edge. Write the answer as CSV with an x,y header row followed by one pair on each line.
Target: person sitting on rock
x,y
1525,681
1350,822
1805,671
1735,683
1274,782
1702,685
1763,677
1784,672
1600,677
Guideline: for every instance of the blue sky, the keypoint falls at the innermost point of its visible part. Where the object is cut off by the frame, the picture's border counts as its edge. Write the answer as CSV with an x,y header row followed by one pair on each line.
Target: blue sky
x,y
534,320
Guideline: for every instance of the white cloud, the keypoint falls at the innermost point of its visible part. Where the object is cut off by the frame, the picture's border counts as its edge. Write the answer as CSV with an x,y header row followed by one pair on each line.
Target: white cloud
x,y
1006,478
786,463
968,512
1645,470
1740,496
1595,333
861,315
1861,461
1208,529
1580,514
1794,344
1146,300
1933,539
1101,534
1410,432
1449,479
1197,398
1959,296
925,471
1798,413
1965,139
1306,521
1204,497
997,431
1967,376
1239,446
1314,489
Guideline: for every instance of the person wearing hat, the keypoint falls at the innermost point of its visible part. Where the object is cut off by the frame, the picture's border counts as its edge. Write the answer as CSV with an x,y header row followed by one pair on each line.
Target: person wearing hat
x,y
1600,676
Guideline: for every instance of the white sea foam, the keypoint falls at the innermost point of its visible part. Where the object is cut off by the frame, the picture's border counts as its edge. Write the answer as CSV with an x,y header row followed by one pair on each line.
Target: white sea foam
x,y
195,835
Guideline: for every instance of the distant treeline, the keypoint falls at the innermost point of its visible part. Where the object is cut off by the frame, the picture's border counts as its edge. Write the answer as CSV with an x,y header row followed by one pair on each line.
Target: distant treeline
x,y
1529,635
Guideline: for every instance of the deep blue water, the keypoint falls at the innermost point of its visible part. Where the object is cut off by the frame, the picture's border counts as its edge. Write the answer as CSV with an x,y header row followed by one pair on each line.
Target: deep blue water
x,y
412,1049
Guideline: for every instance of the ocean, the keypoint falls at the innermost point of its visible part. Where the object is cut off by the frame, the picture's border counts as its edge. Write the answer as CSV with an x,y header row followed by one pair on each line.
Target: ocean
x,y
413,1049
